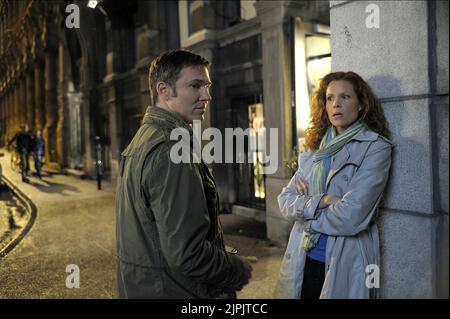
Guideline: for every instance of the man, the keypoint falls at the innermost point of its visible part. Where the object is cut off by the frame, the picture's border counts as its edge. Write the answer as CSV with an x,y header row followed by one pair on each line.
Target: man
x,y
169,237
23,146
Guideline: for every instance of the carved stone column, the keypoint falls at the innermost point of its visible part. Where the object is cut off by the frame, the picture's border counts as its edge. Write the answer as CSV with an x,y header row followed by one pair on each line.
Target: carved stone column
x,y
50,104
39,95
9,114
30,105
22,100
16,113
5,116
62,135
113,67
2,118
277,106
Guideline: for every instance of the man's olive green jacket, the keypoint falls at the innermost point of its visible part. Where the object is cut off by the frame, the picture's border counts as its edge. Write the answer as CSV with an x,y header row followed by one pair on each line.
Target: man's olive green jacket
x,y
169,238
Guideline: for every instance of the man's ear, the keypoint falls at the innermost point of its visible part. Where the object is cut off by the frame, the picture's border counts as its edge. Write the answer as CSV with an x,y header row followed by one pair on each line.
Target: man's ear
x,y
163,90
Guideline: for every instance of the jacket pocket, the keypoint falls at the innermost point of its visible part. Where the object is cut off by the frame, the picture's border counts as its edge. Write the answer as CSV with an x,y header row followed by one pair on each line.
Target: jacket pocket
x,y
342,180
178,286
136,281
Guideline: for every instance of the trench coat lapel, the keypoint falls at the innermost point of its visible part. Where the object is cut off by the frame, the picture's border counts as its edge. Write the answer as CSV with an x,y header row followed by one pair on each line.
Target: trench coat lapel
x,y
340,160
343,156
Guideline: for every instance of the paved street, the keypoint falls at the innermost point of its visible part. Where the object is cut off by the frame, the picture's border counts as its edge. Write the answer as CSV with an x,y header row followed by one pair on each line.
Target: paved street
x,y
13,217
75,225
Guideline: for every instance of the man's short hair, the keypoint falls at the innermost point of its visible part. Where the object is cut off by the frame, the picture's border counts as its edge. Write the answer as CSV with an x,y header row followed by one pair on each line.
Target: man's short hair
x,y
167,66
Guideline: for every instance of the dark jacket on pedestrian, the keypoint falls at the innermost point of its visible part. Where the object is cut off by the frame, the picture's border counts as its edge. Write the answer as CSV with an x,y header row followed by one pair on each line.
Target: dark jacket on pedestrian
x,y
38,147
169,238
23,142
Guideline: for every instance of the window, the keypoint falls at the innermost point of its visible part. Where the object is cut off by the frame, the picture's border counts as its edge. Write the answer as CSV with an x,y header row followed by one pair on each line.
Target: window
x,y
195,15
248,10
256,121
312,61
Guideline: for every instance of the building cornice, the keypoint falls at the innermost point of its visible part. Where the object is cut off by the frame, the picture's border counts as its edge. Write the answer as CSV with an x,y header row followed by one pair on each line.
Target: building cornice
x,y
238,32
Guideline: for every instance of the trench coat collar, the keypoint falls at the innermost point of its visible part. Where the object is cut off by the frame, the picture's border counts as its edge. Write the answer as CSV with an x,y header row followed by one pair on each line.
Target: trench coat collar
x,y
169,120
344,156
365,135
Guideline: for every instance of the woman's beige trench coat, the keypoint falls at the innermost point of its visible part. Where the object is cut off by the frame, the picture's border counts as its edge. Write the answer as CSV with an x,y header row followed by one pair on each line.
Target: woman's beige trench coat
x,y
358,175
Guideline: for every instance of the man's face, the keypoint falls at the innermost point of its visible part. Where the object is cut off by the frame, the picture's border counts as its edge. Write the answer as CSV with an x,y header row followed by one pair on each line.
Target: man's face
x,y
192,88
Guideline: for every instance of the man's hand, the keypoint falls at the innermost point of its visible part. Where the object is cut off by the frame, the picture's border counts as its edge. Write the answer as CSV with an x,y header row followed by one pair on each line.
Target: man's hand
x,y
247,274
328,200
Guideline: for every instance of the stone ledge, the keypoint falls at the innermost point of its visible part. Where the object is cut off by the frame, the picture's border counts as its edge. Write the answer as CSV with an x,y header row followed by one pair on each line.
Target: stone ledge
x,y
30,208
254,213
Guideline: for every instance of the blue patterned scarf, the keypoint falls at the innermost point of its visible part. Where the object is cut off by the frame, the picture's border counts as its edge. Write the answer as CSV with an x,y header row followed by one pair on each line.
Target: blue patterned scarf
x,y
331,144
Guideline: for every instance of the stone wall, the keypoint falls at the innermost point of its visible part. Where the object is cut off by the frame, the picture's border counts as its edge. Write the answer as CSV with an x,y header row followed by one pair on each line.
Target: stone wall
x,y
405,61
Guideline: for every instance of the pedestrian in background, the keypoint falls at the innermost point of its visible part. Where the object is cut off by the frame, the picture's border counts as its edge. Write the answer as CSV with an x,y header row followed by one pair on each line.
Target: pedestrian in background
x,y
23,146
334,195
169,238
38,149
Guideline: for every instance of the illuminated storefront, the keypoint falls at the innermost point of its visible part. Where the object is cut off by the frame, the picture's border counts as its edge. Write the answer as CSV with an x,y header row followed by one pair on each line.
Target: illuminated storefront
x,y
312,60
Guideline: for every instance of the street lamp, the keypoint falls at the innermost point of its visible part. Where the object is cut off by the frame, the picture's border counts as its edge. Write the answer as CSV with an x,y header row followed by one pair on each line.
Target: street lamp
x,y
92,4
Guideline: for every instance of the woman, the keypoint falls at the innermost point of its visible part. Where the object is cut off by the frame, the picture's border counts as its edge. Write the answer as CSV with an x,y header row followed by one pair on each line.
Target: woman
x,y
333,249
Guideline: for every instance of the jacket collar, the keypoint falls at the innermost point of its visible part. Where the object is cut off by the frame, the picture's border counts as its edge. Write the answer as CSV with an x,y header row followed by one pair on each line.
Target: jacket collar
x,y
344,156
365,135
164,118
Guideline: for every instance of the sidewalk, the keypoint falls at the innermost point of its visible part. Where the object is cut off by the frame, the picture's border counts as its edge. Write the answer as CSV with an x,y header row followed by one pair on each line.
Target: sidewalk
x,y
75,224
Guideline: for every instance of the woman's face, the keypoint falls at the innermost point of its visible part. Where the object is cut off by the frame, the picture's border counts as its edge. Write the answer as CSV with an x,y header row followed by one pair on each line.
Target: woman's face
x,y
341,104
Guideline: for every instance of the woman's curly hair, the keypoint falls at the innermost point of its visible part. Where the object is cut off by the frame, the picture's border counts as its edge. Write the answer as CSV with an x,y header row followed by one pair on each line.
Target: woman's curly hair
x,y
371,115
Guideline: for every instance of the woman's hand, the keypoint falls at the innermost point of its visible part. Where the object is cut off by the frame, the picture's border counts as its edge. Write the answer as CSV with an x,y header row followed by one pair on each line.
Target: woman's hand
x,y
328,200
302,186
